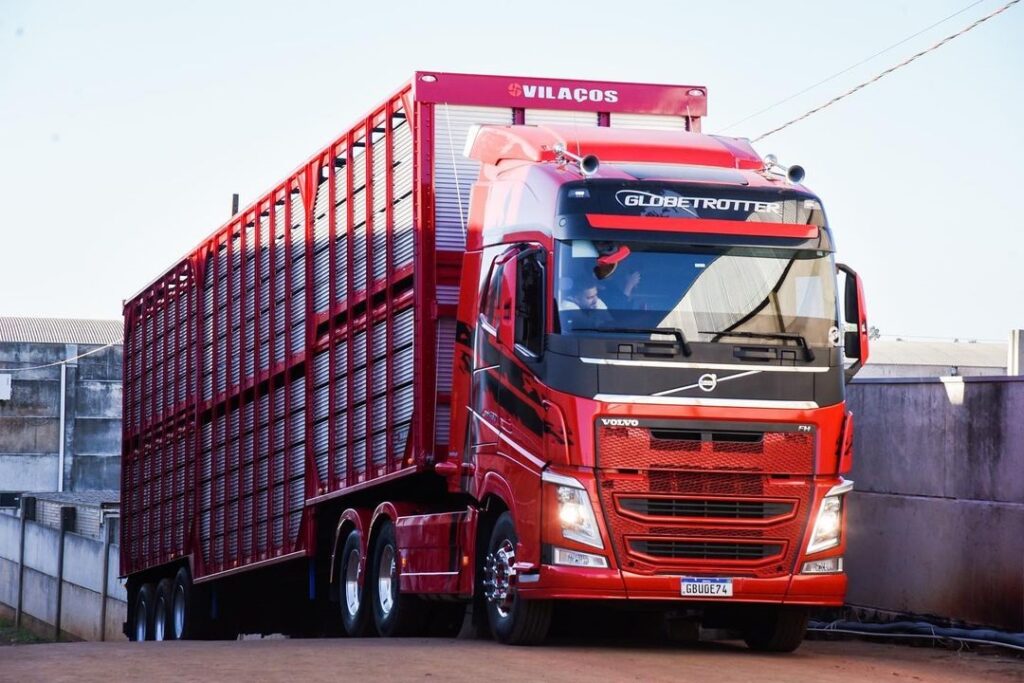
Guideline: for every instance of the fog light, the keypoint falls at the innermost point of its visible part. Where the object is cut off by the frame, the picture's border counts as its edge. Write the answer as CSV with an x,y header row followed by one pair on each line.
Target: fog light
x,y
574,558
831,565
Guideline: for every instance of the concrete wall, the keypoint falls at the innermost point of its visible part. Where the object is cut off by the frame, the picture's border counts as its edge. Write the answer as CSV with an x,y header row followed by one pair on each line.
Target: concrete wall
x,y
82,583
30,421
937,518
917,371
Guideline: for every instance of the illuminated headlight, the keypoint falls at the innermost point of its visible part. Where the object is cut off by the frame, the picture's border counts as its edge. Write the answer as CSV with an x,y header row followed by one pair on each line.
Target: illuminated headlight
x,y
830,565
574,558
575,514
828,526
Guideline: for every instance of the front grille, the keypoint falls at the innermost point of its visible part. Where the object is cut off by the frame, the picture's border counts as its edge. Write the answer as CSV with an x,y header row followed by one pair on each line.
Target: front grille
x,y
703,550
706,509
721,496
713,450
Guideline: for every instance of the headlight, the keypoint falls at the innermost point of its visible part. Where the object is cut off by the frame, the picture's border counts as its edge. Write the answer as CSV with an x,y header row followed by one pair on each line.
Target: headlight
x,y
575,513
828,526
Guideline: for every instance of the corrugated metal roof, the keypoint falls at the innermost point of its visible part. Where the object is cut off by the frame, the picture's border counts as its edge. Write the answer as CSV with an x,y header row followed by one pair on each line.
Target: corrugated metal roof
x,y
966,354
94,498
60,330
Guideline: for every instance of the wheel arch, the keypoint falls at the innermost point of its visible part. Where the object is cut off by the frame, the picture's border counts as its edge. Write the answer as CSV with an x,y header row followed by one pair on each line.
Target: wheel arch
x,y
352,519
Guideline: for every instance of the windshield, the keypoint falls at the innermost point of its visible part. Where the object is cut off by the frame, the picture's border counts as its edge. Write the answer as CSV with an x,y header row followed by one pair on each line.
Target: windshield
x,y
780,296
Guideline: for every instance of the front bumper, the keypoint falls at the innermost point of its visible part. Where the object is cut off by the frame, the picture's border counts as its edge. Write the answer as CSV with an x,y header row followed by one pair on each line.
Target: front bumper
x,y
570,583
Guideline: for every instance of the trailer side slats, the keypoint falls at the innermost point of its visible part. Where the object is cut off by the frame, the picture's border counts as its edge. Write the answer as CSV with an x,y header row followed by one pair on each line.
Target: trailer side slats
x,y
307,345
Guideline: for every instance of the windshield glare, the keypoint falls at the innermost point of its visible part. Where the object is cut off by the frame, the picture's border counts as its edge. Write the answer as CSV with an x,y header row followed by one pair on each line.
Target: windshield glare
x,y
705,293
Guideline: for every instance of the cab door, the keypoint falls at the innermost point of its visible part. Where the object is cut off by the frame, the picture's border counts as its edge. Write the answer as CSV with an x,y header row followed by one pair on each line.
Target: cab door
x,y
485,387
524,399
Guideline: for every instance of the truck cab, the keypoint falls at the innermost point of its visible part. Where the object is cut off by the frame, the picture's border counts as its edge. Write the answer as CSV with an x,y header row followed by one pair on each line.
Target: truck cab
x,y
652,348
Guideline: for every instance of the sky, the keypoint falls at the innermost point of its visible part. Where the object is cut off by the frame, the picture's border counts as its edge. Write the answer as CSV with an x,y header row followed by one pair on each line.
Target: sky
x,y
126,126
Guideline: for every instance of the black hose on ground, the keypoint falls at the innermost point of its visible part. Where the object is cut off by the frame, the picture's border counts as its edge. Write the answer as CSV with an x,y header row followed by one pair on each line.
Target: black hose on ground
x,y
922,629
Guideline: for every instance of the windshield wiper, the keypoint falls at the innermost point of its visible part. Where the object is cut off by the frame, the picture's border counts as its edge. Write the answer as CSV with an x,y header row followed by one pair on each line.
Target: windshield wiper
x,y
800,340
671,331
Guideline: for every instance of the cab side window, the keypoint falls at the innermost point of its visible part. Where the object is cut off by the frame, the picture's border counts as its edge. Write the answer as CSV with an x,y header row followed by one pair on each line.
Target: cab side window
x,y
529,330
492,295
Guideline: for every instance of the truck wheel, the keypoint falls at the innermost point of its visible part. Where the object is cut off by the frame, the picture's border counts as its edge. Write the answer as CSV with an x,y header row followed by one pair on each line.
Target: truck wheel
x,y
354,609
513,620
162,610
778,629
142,613
394,614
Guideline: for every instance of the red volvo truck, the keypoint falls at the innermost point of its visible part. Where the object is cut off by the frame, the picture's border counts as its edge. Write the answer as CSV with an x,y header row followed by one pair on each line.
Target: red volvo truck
x,y
508,343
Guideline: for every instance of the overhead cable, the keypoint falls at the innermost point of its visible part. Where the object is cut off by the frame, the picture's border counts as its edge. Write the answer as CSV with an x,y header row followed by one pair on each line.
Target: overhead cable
x,y
850,68
888,71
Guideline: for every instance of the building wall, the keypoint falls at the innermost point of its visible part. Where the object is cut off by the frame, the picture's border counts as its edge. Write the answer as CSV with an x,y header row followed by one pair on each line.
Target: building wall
x,y
30,420
81,585
936,522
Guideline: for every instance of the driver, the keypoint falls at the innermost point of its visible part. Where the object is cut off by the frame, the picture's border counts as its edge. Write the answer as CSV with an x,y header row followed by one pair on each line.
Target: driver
x,y
583,296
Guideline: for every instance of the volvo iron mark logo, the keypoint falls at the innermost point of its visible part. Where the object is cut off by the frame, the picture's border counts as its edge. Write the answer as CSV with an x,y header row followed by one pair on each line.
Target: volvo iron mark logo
x,y
707,382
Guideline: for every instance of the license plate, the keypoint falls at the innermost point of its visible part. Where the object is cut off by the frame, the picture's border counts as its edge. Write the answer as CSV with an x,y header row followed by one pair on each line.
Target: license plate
x,y
700,587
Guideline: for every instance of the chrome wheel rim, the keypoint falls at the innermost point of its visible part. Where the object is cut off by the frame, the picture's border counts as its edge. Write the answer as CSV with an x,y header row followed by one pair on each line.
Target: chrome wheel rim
x,y
499,573
140,622
178,610
385,580
352,583
159,620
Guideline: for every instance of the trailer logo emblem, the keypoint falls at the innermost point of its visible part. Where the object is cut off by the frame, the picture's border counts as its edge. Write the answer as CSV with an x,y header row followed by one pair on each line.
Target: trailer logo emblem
x,y
707,382
551,92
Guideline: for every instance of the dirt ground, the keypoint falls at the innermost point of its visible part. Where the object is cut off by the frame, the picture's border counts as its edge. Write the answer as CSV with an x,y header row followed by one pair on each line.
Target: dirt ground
x,y
475,660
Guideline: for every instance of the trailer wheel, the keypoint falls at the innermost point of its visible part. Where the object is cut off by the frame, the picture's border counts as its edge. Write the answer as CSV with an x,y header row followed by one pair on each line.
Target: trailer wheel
x,y
394,613
353,590
162,610
186,617
777,629
513,620
142,613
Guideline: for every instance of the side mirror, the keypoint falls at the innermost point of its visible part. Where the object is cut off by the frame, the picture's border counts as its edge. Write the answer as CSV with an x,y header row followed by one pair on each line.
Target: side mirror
x,y
855,341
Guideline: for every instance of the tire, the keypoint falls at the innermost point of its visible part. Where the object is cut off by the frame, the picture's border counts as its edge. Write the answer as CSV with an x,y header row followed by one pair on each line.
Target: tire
x,y
394,614
142,613
162,610
187,619
352,589
777,629
513,620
